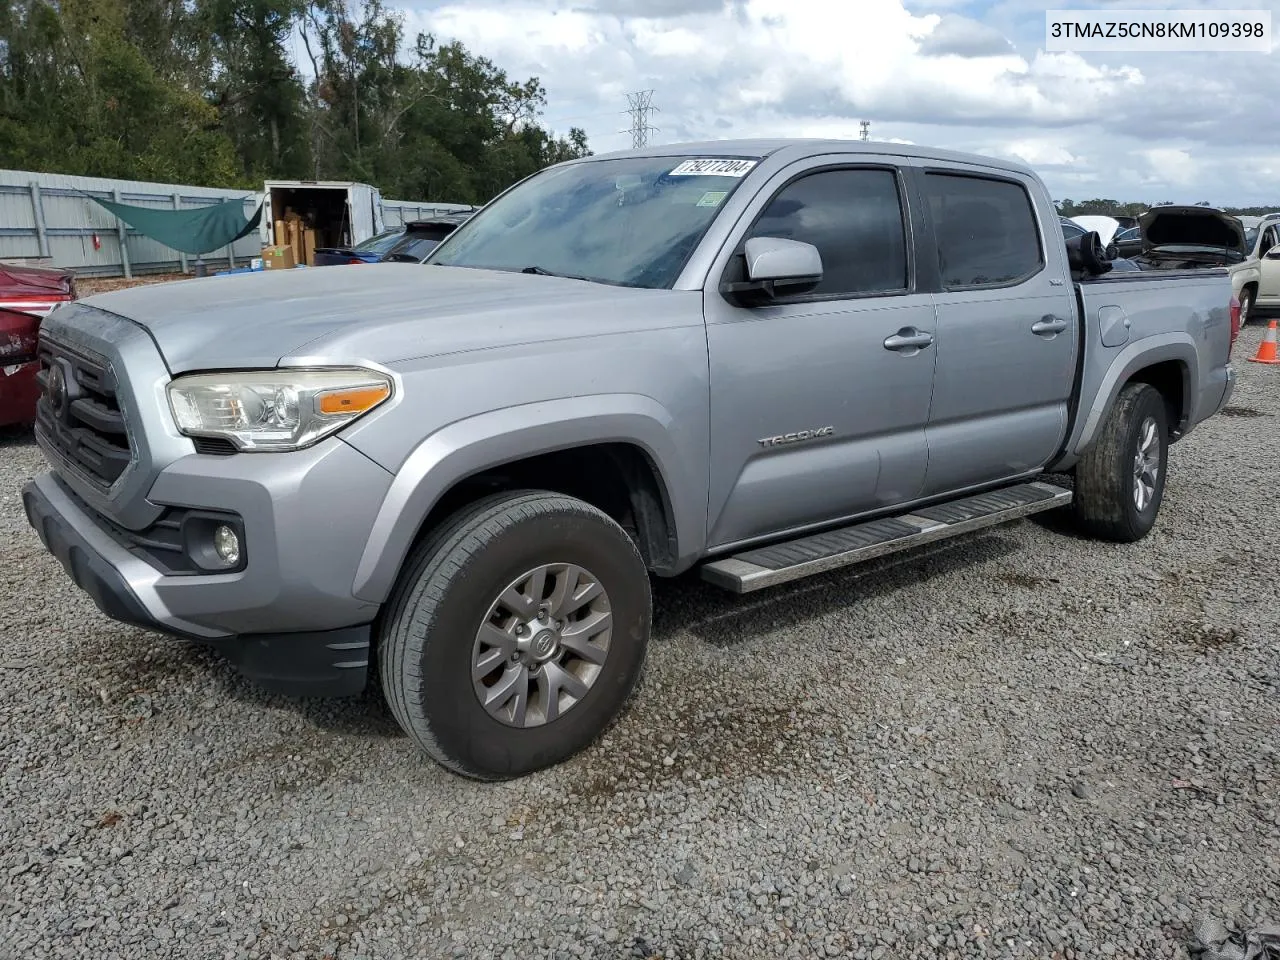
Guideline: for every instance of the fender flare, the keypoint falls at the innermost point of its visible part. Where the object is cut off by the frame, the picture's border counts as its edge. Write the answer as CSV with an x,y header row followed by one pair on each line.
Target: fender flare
x,y
1134,358
475,444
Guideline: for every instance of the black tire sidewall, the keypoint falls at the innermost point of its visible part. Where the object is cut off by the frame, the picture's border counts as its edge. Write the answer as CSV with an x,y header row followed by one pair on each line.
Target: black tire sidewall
x,y
1148,403
458,721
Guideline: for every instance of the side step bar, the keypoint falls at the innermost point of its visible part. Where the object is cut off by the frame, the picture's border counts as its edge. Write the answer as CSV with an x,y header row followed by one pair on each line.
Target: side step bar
x,y
820,552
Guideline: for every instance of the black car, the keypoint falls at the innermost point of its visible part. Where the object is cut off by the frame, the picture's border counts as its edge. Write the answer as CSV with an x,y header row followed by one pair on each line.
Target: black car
x,y
422,236
1129,242
367,251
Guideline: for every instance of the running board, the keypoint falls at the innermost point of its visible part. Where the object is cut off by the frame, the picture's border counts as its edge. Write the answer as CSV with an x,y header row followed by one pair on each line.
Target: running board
x,y
820,552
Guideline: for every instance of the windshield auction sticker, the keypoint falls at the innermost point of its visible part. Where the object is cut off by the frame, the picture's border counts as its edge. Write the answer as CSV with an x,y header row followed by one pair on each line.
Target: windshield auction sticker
x,y
1167,31
713,168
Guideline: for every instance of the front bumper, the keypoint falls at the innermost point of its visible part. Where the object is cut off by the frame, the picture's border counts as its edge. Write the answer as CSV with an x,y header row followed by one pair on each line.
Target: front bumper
x,y
289,619
321,664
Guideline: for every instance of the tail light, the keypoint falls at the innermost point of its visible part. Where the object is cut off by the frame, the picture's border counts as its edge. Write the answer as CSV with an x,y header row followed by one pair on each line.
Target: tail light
x,y
19,336
355,260
1235,324
35,304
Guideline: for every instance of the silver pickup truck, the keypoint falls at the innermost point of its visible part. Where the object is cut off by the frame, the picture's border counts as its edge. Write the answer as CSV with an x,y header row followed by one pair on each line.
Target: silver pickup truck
x,y
760,359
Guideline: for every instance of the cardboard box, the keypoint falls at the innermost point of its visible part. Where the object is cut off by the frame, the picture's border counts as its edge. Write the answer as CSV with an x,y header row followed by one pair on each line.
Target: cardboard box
x,y
280,237
309,247
295,239
279,257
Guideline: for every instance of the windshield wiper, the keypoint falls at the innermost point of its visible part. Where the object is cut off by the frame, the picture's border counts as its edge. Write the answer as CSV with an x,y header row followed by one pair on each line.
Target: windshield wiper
x,y
541,272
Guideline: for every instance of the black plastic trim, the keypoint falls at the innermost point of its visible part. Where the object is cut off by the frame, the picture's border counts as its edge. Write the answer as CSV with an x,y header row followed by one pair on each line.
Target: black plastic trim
x,y
332,663
214,446
168,543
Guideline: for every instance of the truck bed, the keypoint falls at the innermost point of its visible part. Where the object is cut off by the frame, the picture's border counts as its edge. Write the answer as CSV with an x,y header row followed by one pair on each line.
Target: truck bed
x,y
1179,312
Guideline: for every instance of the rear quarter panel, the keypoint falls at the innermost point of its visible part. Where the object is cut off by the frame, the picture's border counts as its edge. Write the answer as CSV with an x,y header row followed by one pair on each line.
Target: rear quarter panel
x,y
1133,323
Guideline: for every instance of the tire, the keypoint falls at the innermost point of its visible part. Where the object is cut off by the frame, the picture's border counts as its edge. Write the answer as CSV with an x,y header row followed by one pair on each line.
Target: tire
x,y
452,590
1107,502
1246,307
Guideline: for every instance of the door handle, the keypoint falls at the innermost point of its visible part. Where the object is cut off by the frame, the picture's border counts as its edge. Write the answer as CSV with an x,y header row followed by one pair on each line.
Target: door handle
x,y
1049,324
908,338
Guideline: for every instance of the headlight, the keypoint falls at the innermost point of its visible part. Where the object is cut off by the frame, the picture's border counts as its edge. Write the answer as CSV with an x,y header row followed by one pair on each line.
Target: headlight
x,y
275,409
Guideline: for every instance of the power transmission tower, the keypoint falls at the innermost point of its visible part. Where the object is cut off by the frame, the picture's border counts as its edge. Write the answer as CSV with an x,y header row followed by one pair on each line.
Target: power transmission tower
x,y
640,105
866,130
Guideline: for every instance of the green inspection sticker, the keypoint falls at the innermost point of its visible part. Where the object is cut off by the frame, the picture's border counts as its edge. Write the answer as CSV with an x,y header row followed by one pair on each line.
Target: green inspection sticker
x,y
712,198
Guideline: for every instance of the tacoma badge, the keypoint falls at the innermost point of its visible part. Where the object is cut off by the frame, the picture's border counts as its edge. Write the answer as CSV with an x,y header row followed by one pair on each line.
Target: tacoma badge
x,y
797,437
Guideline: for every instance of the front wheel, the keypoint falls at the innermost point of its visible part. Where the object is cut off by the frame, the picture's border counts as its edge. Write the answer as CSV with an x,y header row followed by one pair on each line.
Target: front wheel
x,y
1119,482
515,634
1246,307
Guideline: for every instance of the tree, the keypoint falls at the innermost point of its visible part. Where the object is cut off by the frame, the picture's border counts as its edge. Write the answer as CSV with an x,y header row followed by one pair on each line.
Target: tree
x,y
78,95
207,92
254,85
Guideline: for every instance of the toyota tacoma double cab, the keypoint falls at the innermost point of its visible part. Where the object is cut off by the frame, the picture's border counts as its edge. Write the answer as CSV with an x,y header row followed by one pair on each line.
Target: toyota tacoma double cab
x,y
759,359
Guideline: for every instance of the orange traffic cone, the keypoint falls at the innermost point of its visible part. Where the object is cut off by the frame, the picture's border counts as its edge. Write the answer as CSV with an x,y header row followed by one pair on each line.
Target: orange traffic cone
x,y
1267,349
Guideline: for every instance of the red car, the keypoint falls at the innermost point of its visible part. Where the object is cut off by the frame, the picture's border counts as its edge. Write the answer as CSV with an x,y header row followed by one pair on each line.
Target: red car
x,y
27,294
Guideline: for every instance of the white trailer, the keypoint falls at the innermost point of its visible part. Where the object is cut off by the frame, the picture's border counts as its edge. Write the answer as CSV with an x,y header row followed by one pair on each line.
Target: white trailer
x,y
342,212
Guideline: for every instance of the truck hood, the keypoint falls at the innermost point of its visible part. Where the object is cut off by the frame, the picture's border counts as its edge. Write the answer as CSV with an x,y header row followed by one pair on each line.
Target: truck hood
x,y
1193,227
380,312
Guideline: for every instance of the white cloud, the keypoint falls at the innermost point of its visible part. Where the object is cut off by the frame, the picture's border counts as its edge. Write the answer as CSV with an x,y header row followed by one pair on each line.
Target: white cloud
x,y
1171,165
1133,125
1038,153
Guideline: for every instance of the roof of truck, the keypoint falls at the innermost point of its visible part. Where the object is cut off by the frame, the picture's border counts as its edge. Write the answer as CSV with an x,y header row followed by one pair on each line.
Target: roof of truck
x,y
806,147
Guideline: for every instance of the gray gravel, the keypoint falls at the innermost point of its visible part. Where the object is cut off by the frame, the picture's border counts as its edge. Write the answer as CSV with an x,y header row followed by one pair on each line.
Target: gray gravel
x,y
1024,746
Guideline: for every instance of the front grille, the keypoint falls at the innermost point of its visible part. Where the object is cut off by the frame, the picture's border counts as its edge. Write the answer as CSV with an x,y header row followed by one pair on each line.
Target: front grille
x,y
81,416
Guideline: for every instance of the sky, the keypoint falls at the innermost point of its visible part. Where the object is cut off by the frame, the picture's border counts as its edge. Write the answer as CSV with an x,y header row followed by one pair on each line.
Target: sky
x,y
967,75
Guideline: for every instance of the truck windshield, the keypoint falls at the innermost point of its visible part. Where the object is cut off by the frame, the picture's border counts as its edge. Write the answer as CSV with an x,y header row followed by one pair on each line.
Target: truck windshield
x,y
629,222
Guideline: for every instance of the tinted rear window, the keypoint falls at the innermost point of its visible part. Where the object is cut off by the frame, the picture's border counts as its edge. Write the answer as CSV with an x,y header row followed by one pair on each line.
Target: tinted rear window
x,y
986,229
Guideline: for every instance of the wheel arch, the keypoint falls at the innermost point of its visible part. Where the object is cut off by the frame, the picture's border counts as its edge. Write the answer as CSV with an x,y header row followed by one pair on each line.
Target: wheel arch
x,y
1170,364
602,449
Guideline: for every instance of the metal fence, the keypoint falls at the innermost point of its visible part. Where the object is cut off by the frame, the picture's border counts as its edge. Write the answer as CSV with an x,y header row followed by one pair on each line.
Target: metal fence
x,y
48,217
396,213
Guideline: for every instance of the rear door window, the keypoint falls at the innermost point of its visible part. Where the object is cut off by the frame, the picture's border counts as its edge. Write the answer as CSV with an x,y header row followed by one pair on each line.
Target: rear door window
x,y
987,231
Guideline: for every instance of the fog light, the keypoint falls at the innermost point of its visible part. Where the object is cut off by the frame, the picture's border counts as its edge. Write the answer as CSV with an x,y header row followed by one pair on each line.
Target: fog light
x,y
226,543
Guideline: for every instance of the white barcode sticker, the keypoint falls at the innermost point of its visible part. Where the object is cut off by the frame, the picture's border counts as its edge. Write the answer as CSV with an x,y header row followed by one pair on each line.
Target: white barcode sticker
x,y
714,168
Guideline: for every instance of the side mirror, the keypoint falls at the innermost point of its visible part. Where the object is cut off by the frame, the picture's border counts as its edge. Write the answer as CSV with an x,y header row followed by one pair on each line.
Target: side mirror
x,y
1274,253
1085,254
775,267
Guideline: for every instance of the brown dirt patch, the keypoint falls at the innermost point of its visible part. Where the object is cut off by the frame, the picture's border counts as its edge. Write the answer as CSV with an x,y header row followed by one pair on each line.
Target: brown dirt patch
x,y
88,286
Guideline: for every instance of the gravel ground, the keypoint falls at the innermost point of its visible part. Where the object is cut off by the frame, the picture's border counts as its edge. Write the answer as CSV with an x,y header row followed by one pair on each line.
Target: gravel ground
x,y
1026,745
88,286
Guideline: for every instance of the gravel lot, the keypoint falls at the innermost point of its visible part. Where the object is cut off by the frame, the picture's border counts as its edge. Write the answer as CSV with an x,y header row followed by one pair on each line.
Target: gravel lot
x,y
1024,746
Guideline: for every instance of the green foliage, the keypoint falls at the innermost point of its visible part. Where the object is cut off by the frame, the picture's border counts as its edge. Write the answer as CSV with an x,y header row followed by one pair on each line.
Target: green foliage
x,y
207,92
1114,208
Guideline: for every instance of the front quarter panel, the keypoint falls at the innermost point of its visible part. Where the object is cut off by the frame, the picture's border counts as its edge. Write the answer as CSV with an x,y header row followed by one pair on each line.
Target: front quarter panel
x,y
461,414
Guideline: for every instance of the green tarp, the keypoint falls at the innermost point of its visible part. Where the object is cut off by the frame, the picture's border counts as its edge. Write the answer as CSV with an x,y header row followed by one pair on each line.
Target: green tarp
x,y
202,230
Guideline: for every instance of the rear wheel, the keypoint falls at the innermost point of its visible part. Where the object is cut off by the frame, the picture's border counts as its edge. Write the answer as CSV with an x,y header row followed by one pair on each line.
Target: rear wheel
x,y
1119,482
515,634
